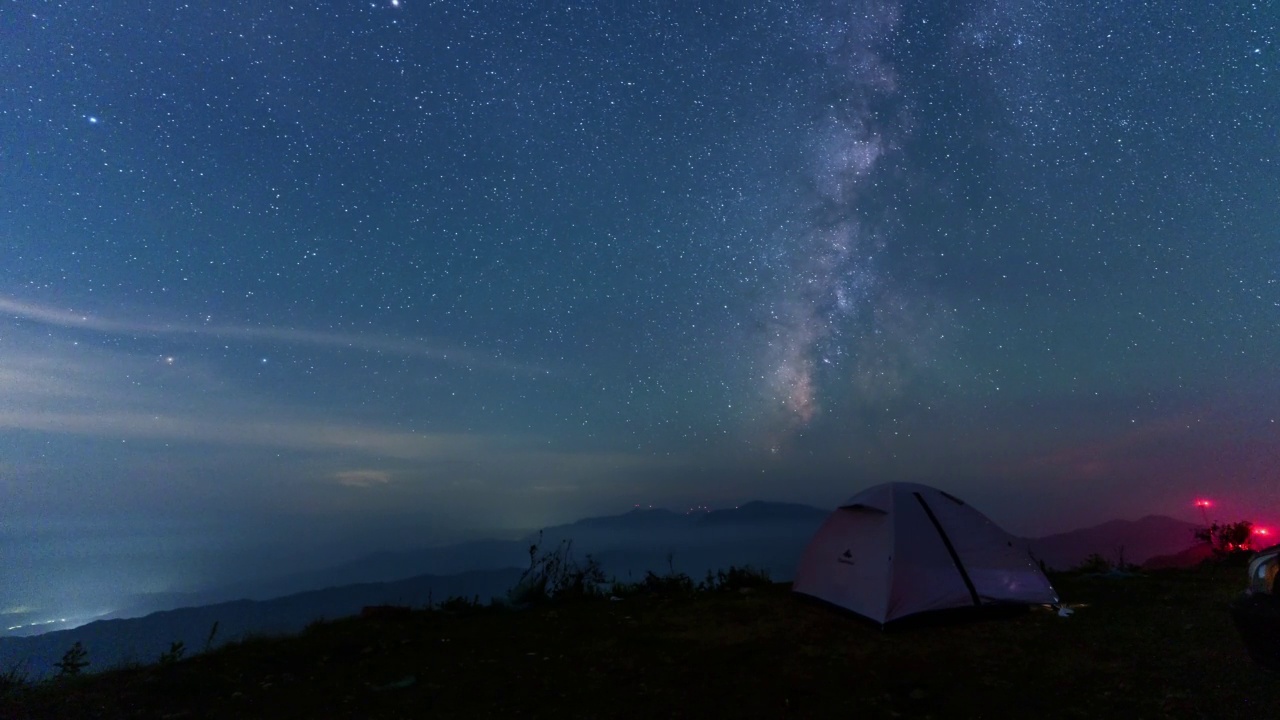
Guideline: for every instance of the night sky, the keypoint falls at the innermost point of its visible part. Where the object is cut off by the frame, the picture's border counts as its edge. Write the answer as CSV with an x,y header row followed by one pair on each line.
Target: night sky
x,y
281,284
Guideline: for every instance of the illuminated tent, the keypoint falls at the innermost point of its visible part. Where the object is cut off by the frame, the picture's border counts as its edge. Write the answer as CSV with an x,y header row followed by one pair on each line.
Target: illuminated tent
x,y
899,549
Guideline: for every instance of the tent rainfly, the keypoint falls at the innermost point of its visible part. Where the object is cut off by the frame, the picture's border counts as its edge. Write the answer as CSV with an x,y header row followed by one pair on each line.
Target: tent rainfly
x,y
899,549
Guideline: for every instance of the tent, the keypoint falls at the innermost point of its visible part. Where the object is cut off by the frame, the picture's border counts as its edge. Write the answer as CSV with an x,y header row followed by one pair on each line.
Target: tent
x,y
899,549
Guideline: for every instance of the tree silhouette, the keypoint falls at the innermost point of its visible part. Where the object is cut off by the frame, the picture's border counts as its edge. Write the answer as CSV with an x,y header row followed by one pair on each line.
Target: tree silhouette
x,y
1227,539
73,661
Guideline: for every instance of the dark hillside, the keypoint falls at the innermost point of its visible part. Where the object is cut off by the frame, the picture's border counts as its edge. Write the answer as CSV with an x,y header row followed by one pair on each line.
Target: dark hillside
x,y
1154,646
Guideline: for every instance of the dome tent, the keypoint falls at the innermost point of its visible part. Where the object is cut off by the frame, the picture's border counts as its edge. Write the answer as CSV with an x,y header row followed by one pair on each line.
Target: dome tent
x,y
899,549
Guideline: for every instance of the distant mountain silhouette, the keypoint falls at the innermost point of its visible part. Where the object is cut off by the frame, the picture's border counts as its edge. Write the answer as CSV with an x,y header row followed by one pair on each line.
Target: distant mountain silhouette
x,y
628,545
382,567
765,535
755,512
1137,540
637,519
112,642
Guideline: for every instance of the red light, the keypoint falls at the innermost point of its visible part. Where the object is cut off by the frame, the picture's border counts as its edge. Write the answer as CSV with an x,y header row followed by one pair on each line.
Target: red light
x,y
1204,503
1261,531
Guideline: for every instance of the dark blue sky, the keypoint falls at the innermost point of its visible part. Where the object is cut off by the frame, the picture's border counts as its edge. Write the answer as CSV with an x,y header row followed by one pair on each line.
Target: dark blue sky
x,y
342,275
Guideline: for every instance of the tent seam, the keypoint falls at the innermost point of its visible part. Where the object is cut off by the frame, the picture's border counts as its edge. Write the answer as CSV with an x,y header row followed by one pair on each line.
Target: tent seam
x,y
951,549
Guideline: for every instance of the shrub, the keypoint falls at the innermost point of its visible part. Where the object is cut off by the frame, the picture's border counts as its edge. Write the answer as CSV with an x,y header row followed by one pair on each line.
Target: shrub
x,y
386,612
1095,563
13,678
672,583
457,603
736,578
1228,540
175,652
556,574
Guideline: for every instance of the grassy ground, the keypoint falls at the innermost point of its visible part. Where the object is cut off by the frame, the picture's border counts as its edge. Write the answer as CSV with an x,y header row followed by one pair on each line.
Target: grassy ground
x,y
1154,646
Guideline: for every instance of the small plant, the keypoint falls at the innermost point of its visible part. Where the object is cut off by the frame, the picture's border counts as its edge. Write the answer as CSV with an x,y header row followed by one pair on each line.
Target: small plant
x,y
213,632
619,589
128,662
1098,564
73,661
458,603
736,578
1095,563
556,574
669,584
13,678
173,654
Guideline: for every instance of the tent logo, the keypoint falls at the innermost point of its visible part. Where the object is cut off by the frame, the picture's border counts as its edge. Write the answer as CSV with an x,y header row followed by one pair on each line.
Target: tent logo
x,y
846,557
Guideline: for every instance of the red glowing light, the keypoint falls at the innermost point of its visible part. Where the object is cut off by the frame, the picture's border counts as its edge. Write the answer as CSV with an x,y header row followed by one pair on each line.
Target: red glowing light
x,y
1261,531
1204,503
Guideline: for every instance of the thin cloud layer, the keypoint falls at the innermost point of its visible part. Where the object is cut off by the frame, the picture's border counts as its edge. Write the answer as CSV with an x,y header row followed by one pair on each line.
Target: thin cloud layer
x,y
363,478
409,347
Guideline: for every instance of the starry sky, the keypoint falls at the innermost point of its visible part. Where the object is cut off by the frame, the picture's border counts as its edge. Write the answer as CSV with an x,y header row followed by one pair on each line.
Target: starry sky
x,y
283,282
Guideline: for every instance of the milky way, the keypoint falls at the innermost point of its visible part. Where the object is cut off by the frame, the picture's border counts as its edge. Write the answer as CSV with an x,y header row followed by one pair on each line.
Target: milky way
x,y
380,273
830,270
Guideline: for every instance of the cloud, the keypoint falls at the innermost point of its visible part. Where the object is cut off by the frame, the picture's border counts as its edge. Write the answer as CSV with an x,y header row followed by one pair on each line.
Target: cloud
x,y
281,433
363,478
409,347
555,488
68,405
56,387
40,376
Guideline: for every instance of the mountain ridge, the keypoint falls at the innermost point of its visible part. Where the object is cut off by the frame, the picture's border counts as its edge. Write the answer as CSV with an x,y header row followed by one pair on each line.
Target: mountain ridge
x,y
765,535
1127,541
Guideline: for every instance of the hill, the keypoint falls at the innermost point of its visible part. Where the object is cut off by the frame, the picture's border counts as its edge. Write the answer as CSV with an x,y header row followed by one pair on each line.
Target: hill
x,y
1159,645
1136,540
764,512
122,640
1190,557
627,545
768,536
635,519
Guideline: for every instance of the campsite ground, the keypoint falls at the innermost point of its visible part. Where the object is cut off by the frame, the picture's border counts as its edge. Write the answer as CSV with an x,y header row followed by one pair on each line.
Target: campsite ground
x,y
1149,646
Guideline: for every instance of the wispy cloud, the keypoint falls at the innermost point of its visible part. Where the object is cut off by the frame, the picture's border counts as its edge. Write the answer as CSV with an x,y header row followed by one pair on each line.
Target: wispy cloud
x,y
58,387
34,376
363,478
275,433
410,347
